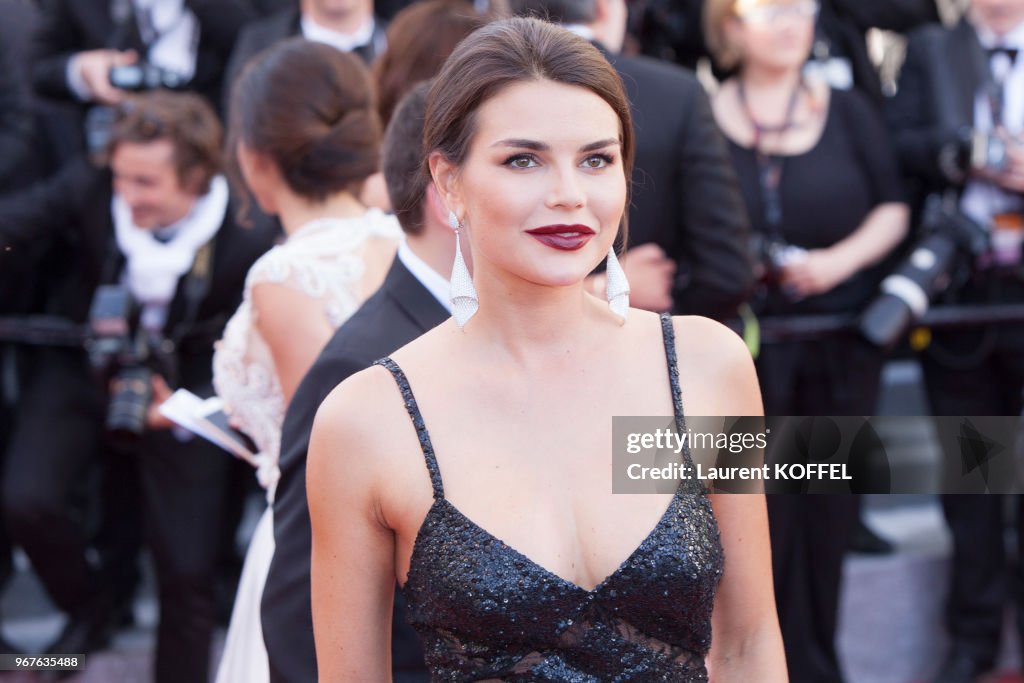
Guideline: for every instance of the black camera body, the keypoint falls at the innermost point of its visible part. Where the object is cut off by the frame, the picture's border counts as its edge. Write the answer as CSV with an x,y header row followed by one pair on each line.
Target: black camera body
x,y
127,359
949,240
974,150
143,76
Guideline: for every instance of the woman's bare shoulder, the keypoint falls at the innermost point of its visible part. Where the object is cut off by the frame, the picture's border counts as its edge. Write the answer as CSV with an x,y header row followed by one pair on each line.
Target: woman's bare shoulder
x,y
716,369
356,422
429,350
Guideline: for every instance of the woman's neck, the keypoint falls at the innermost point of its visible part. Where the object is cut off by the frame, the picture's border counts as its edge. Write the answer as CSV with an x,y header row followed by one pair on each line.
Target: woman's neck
x,y
530,322
767,81
769,93
295,212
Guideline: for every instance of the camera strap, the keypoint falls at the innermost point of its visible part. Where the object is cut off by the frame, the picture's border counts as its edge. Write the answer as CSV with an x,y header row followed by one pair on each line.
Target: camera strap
x,y
194,289
769,166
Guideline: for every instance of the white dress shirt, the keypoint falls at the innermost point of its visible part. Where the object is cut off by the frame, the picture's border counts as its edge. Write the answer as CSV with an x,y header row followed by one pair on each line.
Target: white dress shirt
x,y
981,199
435,283
345,42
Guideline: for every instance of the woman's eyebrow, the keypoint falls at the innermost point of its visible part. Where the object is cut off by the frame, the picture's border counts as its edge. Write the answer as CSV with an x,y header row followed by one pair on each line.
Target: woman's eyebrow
x,y
544,147
523,143
599,144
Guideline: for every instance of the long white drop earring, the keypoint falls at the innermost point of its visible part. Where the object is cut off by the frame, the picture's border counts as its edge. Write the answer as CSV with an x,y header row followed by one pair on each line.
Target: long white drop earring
x,y
462,294
616,286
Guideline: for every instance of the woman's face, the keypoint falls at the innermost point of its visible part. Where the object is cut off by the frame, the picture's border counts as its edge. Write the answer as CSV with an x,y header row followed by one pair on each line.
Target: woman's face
x,y
542,189
777,34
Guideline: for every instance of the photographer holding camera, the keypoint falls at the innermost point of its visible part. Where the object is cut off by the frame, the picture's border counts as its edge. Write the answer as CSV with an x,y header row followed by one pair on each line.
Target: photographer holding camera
x,y
958,121
97,52
152,255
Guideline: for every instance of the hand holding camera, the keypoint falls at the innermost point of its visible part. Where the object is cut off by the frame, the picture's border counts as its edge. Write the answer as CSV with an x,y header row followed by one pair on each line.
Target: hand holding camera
x,y
1012,177
999,158
133,362
161,392
95,66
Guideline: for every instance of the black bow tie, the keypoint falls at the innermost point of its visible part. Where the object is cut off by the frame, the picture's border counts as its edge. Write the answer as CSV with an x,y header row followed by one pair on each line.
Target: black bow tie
x,y
1010,52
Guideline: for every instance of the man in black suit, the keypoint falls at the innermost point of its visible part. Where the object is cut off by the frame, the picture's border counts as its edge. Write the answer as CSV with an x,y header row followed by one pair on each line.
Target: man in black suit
x,y
349,25
77,41
687,210
412,300
958,106
159,223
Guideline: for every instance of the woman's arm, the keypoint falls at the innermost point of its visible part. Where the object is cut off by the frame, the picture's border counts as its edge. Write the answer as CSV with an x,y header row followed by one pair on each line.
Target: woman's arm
x,y
352,567
746,644
823,269
295,328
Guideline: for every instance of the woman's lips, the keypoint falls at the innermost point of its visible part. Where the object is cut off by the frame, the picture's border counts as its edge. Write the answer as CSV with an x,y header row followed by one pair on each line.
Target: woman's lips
x,y
562,237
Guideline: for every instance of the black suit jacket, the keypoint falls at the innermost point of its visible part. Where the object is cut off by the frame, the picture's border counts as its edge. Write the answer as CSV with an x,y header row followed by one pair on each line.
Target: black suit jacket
x,y
935,102
15,119
66,221
262,33
844,23
70,26
400,311
686,197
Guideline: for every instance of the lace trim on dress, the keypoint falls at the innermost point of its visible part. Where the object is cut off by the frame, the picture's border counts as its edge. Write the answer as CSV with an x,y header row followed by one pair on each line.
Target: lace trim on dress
x,y
323,259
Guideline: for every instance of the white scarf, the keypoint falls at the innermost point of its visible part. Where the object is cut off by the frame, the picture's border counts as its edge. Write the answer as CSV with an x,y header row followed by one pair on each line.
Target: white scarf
x,y
154,267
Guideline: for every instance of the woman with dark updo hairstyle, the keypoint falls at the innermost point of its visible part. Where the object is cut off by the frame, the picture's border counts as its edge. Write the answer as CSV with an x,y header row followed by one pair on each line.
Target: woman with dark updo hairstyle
x,y
474,466
304,136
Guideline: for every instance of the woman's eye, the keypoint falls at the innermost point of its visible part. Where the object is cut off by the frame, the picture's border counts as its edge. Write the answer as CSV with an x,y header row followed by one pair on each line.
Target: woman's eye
x,y
521,161
598,161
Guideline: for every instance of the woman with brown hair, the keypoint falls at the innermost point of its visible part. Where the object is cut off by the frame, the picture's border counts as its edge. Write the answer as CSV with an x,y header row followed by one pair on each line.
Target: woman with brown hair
x,y
530,144
420,38
306,135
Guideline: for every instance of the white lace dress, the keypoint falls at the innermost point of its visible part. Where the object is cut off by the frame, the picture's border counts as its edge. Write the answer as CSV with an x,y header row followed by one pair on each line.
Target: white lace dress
x,y
323,260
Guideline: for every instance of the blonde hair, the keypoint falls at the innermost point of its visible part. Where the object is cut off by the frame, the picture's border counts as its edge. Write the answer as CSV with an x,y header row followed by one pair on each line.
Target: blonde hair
x,y
716,12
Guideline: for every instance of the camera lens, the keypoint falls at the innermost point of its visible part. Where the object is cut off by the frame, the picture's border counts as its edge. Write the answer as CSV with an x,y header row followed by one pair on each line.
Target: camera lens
x,y
131,394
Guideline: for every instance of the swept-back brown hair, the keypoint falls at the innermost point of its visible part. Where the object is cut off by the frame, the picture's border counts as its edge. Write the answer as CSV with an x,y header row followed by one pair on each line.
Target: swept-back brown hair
x,y
311,109
420,38
403,159
513,51
186,120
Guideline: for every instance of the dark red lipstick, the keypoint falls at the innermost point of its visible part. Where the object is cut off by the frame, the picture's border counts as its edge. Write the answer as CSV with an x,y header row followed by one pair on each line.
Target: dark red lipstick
x,y
562,237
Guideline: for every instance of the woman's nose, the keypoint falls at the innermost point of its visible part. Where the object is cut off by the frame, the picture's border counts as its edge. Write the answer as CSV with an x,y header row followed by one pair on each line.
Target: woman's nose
x,y
566,189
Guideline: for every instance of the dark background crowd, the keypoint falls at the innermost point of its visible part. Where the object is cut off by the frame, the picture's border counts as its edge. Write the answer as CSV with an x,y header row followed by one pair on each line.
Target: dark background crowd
x,y
788,199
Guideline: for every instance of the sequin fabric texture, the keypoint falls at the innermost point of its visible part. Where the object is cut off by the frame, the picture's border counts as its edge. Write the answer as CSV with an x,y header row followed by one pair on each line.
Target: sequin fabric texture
x,y
486,612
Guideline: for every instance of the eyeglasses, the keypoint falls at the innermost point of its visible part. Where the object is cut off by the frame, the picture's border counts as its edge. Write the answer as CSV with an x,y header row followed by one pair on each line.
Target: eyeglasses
x,y
771,14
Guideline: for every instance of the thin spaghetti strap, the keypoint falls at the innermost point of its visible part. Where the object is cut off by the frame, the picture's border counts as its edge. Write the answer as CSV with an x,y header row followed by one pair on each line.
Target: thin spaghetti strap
x,y
417,421
669,334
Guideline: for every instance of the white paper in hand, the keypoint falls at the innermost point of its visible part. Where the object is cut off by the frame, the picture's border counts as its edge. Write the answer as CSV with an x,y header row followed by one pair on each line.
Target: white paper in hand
x,y
206,418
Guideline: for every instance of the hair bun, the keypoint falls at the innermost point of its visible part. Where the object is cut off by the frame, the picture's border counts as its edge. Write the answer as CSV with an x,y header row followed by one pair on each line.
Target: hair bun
x,y
321,129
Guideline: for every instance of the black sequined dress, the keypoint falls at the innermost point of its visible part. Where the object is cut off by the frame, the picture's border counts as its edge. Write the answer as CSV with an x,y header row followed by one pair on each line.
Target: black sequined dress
x,y
486,612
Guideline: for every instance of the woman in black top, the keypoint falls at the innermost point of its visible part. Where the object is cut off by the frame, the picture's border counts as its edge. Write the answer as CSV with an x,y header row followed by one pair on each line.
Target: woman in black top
x,y
823,190
822,187
473,466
